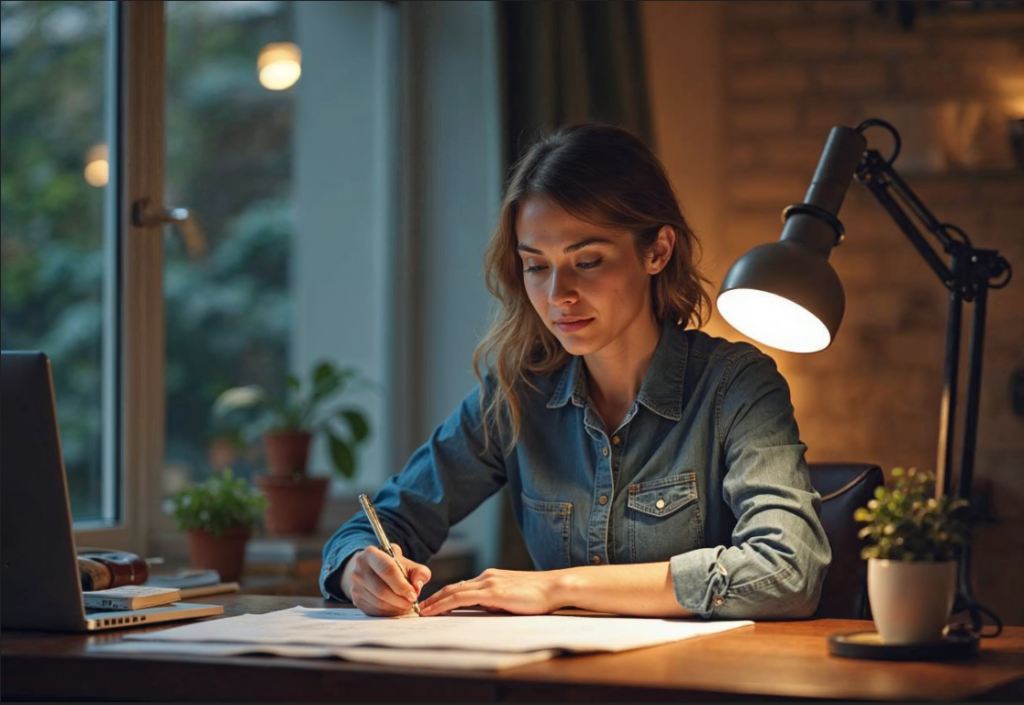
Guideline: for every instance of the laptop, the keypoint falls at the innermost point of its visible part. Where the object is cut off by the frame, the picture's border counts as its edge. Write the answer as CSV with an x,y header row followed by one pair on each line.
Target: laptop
x,y
39,577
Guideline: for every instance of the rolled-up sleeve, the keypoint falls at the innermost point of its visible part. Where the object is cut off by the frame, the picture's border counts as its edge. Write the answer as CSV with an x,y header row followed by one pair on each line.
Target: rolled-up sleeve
x,y
445,479
779,555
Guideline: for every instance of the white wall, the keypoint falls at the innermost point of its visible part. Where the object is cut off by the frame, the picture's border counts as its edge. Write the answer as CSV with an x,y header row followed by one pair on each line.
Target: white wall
x,y
397,188
345,199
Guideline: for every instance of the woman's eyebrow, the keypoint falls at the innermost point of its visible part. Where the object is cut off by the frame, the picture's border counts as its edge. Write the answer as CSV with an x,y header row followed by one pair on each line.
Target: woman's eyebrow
x,y
571,248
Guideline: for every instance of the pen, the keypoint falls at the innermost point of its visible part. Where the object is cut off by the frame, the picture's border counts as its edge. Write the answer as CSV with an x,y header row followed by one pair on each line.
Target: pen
x,y
385,545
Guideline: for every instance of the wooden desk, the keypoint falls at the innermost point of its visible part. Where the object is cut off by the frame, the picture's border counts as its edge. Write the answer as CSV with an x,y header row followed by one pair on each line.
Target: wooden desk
x,y
766,661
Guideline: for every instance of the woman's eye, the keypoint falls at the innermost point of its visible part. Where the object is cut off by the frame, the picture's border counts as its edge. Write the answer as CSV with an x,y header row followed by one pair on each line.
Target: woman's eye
x,y
534,269
590,265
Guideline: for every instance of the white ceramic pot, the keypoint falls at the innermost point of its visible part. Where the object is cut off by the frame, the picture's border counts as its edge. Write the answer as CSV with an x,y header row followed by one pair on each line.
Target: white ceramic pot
x,y
911,600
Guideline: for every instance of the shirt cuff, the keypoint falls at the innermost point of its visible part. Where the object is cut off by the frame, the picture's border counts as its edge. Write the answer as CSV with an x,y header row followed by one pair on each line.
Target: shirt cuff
x,y
701,582
333,567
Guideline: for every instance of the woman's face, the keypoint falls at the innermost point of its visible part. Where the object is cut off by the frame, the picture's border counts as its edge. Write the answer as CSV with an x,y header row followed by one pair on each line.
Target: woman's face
x,y
586,282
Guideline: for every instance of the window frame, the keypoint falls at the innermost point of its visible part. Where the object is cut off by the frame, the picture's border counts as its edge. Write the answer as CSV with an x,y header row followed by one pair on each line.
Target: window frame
x,y
134,397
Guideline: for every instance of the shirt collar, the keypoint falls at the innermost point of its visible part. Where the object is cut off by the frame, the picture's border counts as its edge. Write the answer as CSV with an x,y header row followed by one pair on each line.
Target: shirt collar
x,y
662,390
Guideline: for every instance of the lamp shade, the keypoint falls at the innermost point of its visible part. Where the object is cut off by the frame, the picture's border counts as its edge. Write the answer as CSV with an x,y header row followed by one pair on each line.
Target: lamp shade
x,y
785,295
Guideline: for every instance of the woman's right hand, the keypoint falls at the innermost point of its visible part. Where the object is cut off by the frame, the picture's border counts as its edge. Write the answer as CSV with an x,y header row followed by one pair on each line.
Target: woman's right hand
x,y
376,585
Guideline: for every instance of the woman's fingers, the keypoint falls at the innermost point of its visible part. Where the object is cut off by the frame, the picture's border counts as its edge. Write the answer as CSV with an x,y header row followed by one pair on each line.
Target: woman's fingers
x,y
447,594
453,601
386,567
372,605
371,583
419,574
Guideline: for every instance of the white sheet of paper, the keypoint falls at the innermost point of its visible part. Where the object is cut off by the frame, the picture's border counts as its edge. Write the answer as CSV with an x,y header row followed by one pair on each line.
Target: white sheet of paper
x,y
413,658
462,630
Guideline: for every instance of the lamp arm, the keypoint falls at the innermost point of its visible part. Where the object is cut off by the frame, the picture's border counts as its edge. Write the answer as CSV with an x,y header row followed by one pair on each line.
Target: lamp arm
x,y
971,269
879,177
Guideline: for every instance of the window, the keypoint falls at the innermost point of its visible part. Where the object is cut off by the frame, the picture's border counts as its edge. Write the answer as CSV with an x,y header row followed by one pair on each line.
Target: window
x,y
279,142
59,271
226,272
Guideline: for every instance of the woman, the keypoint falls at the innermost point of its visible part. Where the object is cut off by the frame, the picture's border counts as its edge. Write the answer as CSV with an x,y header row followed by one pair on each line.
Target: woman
x,y
654,470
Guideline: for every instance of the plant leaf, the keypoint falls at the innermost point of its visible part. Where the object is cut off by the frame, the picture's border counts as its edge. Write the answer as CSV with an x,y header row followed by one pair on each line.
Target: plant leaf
x,y
342,456
356,422
219,503
322,372
293,383
238,398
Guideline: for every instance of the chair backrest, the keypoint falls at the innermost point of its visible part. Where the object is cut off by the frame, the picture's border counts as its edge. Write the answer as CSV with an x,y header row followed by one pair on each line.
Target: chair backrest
x,y
844,487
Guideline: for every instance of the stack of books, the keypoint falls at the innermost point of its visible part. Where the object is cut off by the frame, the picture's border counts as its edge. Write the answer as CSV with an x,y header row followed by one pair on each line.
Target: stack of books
x,y
192,582
130,597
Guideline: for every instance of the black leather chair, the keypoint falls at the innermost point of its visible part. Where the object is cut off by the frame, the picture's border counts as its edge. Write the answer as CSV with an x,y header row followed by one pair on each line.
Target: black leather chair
x,y
844,487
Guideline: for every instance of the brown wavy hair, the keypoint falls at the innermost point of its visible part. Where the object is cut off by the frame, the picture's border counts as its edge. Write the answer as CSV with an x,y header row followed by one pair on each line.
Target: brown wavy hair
x,y
601,174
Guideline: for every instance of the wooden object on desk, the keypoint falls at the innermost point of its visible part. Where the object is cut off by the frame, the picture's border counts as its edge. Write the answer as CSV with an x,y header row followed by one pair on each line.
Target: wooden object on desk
x,y
769,660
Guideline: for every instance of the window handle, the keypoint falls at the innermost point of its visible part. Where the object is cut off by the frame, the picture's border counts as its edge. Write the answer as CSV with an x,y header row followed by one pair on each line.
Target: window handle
x,y
143,216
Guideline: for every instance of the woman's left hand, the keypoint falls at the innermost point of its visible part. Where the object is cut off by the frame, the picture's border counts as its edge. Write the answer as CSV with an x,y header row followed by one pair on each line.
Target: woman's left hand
x,y
495,590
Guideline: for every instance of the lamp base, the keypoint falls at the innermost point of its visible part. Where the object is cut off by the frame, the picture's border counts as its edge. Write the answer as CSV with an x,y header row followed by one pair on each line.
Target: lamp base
x,y
868,645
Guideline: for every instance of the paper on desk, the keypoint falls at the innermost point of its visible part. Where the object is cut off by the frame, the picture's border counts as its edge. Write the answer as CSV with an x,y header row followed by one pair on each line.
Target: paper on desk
x,y
413,658
462,630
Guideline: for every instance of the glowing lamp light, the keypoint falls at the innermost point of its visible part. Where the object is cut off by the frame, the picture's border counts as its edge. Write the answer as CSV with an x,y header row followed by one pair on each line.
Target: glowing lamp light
x,y
774,320
280,65
97,169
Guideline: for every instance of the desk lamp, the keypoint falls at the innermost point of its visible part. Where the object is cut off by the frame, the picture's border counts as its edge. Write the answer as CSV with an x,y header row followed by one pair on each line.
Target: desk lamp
x,y
786,295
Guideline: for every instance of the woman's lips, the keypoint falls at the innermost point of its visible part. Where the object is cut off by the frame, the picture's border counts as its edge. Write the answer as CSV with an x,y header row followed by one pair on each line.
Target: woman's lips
x,y
573,326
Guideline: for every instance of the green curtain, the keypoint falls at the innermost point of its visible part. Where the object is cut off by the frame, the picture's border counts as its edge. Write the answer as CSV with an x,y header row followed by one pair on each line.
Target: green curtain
x,y
566,62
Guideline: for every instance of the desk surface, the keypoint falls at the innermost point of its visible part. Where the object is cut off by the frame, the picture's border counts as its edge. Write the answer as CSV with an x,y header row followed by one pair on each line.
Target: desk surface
x,y
781,660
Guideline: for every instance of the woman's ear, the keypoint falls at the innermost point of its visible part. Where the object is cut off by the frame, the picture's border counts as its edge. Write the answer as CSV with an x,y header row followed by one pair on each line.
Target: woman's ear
x,y
661,252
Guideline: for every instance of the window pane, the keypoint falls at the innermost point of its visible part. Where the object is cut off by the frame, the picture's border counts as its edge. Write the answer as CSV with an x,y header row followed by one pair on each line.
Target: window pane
x,y
53,170
229,161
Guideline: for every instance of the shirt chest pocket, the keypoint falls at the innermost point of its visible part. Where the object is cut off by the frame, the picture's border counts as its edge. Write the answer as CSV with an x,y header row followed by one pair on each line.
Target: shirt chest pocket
x,y
664,518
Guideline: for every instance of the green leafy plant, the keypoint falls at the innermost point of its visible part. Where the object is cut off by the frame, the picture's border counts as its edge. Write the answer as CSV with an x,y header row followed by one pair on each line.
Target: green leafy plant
x,y
907,522
218,504
303,409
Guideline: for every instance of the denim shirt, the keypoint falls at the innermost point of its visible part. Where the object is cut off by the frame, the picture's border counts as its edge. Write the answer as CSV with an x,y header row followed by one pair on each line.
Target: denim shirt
x,y
706,471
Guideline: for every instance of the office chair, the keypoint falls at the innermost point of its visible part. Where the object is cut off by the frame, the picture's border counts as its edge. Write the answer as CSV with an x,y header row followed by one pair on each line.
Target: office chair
x,y
843,488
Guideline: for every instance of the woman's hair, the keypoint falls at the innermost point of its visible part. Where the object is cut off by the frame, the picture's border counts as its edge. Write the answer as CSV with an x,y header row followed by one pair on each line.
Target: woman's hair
x,y
601,174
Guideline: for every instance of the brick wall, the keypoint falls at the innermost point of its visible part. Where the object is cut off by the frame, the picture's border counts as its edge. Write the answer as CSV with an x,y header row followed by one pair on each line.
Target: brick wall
x,y
789,72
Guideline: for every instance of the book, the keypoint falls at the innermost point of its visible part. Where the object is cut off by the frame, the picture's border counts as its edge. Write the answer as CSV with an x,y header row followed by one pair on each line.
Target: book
x,y
130,597
203,590
185,578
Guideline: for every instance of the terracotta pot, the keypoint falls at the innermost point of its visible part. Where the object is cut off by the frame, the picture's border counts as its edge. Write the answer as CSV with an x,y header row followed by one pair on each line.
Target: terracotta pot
x,y
287,452
294,503
225,554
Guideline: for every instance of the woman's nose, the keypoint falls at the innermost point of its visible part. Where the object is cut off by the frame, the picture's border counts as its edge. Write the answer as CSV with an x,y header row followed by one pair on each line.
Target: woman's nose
x,y
563,288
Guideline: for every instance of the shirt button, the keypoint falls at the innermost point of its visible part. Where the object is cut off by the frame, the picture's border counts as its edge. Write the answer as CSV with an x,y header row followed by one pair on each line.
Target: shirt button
x,y
604,451
719,601
603,500
596,560
616,440
660,504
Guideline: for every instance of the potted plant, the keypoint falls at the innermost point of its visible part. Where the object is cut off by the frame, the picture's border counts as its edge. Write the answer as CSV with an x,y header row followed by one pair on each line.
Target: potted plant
x,y
287,427
218,516
913,546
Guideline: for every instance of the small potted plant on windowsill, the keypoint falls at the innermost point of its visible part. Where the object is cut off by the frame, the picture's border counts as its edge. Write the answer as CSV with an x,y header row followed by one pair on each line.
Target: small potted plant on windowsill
x,y
218,516
288,427
913,545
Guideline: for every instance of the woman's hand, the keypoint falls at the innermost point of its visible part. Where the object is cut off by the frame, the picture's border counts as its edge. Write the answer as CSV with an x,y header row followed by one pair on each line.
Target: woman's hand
x,y
498,591
377,586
